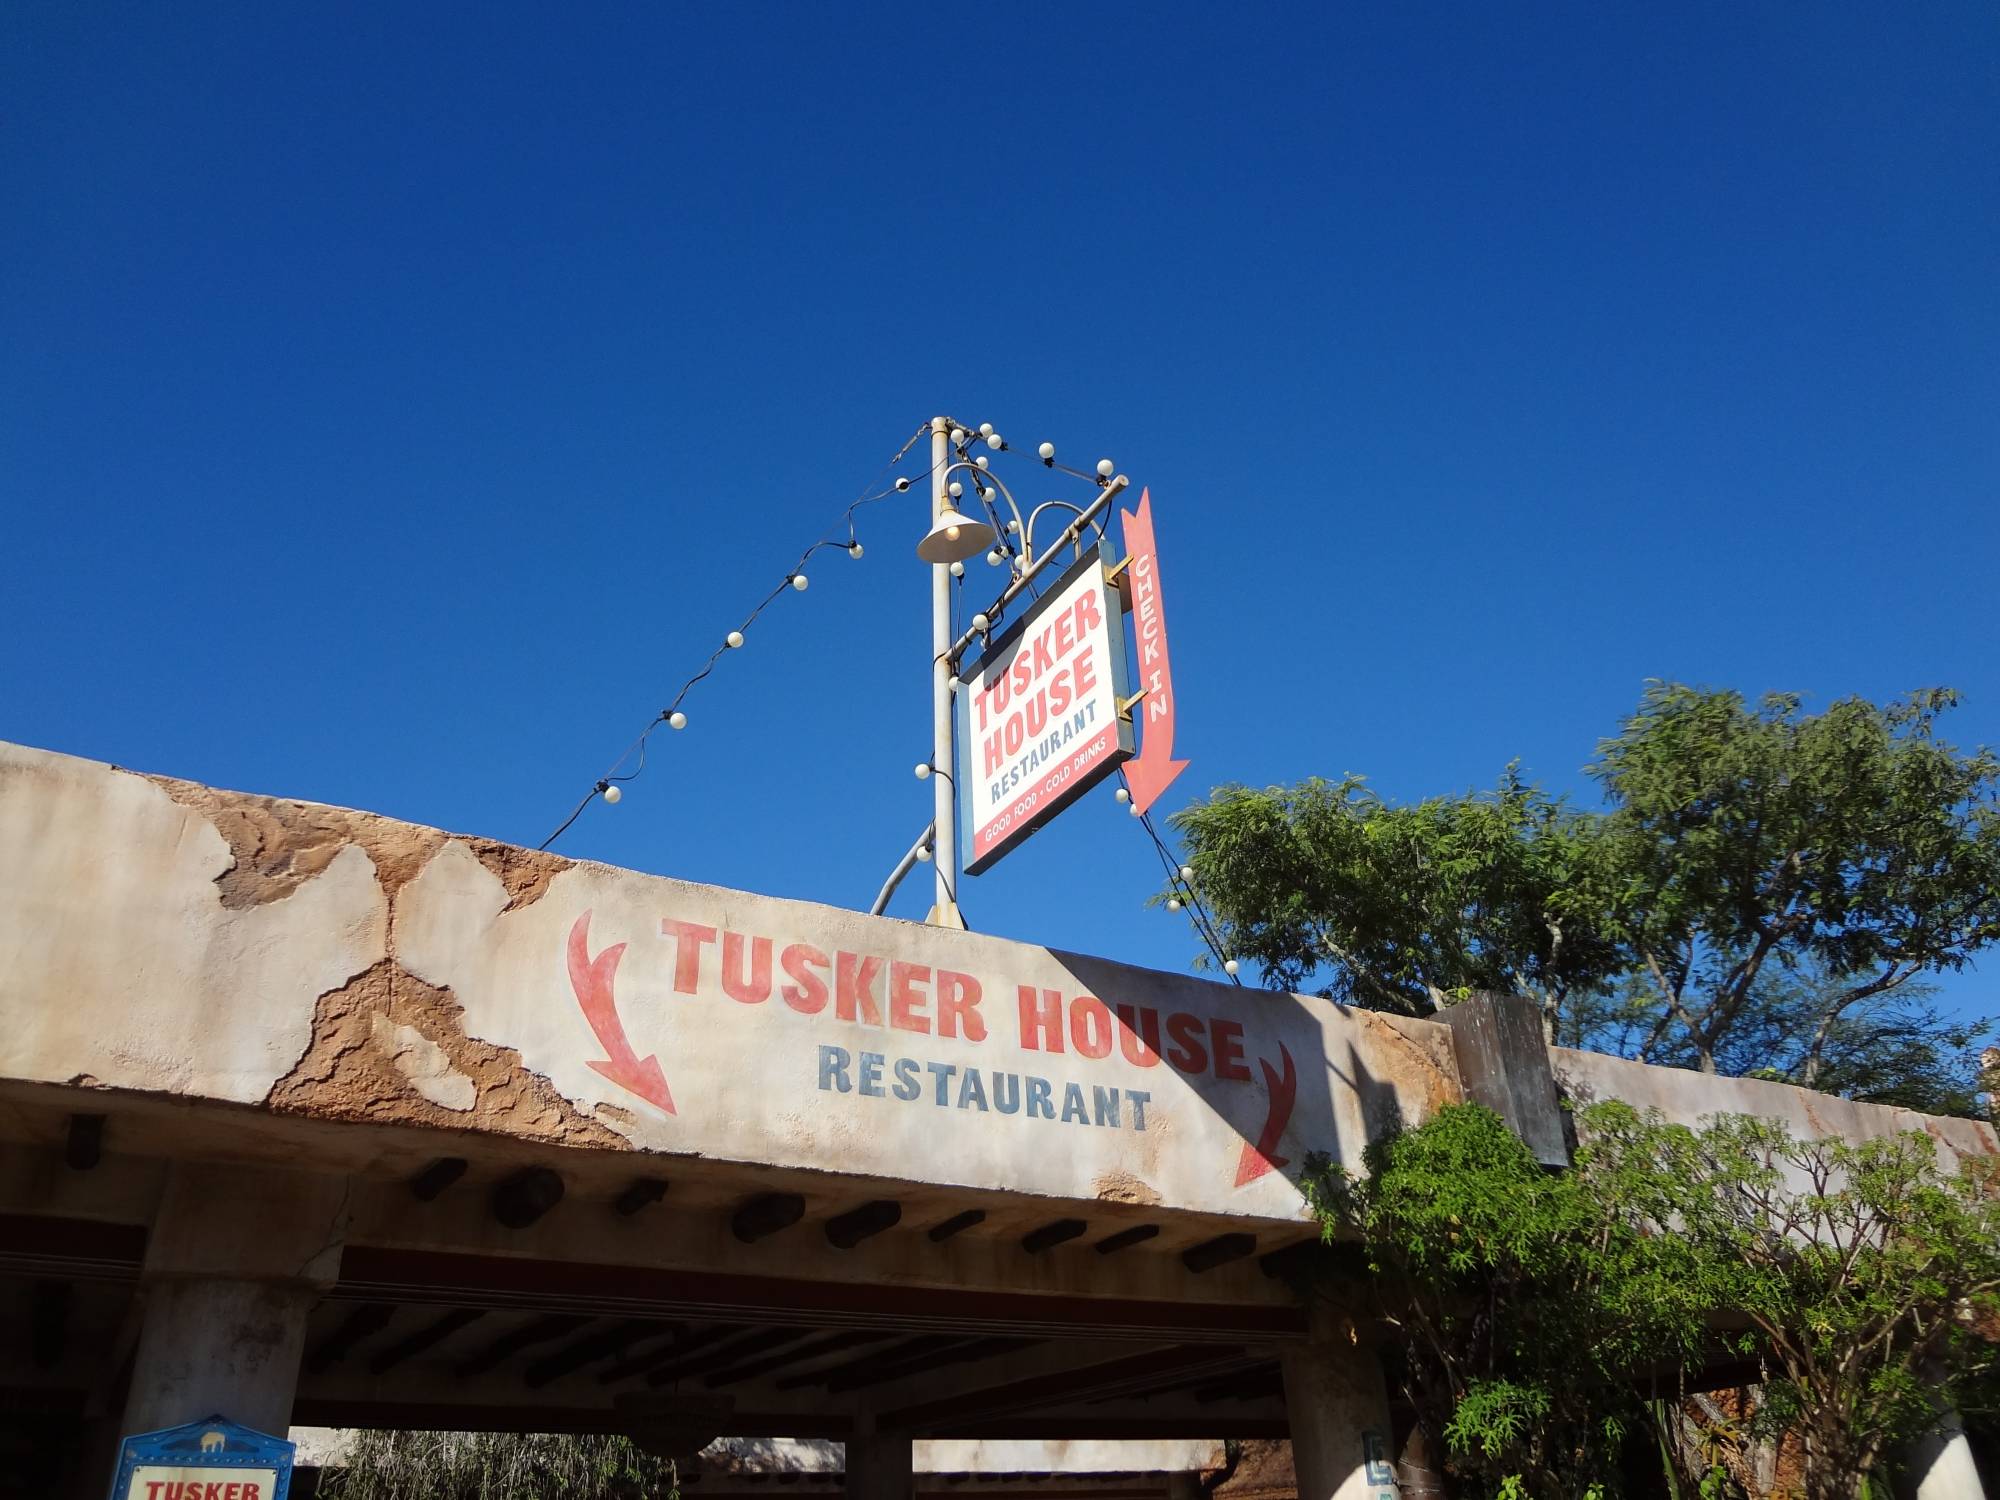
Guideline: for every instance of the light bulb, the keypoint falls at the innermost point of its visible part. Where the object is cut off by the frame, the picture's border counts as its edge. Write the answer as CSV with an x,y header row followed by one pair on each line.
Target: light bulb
x,y
1229,966
994,557
854,549
612,794
957,568
1187,873
986,429
1122,795
799,582
1173,903
958,437
678,719
983,462
951,532
1105,467
980,622
995,441
924,855
903,484
923,770
957,489
735,638
955,685
1014,525
1047,450
1135,811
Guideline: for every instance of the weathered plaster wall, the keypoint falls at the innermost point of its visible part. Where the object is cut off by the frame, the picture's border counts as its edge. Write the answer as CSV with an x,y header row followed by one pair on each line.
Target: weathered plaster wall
x,y
124,961
163,937
1687,1098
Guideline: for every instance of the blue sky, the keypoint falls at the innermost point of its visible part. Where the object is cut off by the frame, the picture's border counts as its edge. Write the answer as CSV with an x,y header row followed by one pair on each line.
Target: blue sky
x,y
399,402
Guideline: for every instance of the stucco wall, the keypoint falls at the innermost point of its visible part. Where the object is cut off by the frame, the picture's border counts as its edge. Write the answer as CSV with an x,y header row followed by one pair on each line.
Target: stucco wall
x,y
163,937
1688,1098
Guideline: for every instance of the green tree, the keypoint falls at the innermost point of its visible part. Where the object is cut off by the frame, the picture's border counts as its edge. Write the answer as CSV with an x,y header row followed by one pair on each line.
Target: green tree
x,y
1541,1321
1756,873
1406,908
397,1465
1862,1276
1741,839
1530,1312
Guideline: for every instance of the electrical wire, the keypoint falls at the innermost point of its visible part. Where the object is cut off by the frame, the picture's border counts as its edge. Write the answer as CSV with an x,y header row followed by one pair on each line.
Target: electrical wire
x,y
869,496
1190,899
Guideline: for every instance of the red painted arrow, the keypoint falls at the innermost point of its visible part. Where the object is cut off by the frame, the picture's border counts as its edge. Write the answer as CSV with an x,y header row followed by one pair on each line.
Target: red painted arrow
x,y
591,979
1155,767
1283,1089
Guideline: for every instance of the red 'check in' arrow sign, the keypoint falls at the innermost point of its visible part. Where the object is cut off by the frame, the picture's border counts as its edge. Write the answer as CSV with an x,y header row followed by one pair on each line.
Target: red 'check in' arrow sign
x,y
1155,768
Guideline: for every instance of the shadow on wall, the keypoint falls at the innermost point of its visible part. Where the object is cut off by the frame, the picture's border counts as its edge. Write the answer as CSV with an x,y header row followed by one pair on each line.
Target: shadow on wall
x,y
1288,1075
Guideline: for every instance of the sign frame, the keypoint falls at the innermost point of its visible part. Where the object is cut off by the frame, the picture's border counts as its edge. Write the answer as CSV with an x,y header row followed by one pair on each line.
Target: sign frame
x,y
216,1444
1101,557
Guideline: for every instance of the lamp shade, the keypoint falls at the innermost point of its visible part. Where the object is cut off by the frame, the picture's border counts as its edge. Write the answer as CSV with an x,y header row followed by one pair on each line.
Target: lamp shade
x,y
955,538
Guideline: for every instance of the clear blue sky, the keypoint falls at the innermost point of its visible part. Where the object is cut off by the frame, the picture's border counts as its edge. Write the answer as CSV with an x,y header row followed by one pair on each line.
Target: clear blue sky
x,y
399,401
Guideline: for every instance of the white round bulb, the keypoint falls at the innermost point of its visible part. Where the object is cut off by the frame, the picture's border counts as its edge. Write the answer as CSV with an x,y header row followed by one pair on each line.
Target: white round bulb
x,y
1122,795
1229,966
951,532
735,637
1014,525
923,770
924,855
983,462
1187,873
995,557
958,437
1047,450
986,429
678,719
612,794
1134,810
995,441
903,484
957,568
956,684
799,582
854,549
1173,903
1106,467
980,622
957,489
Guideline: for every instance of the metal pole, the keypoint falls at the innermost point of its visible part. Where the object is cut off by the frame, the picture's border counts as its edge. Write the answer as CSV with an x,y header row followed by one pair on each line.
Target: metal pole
x,y
1071,533
903,867
944,911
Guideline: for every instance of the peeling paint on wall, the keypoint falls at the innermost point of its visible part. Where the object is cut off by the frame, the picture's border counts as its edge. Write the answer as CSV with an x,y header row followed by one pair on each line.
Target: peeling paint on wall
x,y
353,1069
276,845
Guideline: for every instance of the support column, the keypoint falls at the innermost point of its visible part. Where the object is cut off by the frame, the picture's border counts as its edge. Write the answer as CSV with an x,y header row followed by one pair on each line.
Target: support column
x,y
1940,1466
880,1466
234,1264
1337,1407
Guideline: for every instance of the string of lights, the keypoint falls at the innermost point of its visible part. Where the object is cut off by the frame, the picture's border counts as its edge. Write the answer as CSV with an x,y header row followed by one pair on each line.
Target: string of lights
x,y
607,786
1180,880
1011,547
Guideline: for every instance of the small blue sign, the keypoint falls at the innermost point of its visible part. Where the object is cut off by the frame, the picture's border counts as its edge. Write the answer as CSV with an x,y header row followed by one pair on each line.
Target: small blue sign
x,y
213,1460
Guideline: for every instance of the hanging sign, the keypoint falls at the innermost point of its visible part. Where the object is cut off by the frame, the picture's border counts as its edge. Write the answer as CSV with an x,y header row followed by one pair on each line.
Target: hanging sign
x,y
1039,717
1150,774
212,1460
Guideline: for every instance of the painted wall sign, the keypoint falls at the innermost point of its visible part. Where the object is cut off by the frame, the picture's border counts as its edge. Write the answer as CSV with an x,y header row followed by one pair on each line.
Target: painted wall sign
x,y
606,1010
1038,718
692,1019
1150,774
213,1460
